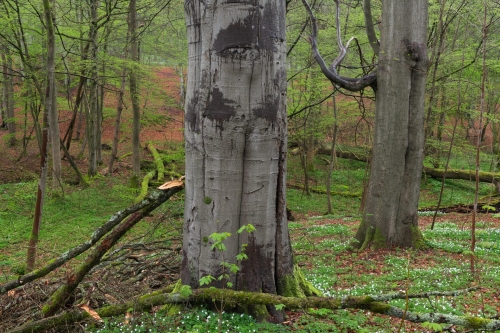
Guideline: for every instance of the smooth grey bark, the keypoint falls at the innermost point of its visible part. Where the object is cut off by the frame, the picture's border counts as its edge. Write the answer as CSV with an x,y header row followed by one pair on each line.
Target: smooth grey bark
x,y
235,132
390,212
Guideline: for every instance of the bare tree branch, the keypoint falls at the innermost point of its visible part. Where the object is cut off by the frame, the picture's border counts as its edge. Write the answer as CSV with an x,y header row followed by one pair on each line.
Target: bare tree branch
x,y
351,84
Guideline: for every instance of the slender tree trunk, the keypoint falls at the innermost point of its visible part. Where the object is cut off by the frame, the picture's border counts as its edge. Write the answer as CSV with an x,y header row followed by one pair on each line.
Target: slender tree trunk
x,y
51,107
42,182
119,109
8,95
390,213
333,156
92,118
134,90
3,107
478,142
235,134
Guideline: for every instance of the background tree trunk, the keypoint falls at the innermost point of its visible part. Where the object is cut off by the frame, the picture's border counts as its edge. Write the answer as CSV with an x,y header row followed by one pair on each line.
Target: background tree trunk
x,y
51,102
134,90
92,118
390,213
8,95
235,136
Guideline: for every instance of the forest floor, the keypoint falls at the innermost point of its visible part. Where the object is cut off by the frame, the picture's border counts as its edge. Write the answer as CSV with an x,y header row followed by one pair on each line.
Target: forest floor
x,y
113,285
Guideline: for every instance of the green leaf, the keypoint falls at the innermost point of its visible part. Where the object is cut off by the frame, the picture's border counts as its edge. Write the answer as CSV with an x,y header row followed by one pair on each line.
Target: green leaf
x,y
185,291
234,269
206,280
241,256
279,306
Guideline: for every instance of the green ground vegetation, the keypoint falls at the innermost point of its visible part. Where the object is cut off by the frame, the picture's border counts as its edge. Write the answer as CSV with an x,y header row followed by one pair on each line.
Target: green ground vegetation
x,y
321,245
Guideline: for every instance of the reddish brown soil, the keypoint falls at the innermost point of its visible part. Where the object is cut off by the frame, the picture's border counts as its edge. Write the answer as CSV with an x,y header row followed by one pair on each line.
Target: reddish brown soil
x,y
160,97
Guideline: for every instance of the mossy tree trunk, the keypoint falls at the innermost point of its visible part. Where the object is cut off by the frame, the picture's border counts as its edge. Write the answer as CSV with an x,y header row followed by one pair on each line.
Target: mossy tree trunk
x,y
236,144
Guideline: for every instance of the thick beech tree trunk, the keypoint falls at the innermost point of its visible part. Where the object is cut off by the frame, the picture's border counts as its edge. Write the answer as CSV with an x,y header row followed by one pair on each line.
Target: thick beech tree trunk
x,y
236,143
390,212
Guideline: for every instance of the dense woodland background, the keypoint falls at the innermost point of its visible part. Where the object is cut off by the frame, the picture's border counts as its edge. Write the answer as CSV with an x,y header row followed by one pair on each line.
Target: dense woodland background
x,y
117,92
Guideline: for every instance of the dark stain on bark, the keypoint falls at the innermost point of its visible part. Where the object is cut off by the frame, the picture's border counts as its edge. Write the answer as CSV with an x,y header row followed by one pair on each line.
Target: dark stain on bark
x,y
257,273
185,274
190,114
259,30
219,108
268,110
414,51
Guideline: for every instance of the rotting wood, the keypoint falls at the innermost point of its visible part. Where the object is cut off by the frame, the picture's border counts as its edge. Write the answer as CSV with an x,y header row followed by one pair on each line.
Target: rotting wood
x,y
373,303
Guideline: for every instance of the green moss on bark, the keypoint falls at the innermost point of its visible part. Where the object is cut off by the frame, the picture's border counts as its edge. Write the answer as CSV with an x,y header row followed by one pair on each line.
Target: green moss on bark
x,y
476,323
418,239
296,285
379,241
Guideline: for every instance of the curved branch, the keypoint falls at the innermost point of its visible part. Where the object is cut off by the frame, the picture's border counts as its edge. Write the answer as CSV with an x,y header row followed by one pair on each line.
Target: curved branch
x,y
351,84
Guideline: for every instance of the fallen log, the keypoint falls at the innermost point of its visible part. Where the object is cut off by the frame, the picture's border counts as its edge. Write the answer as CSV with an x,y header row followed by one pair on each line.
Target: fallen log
x,y
484,177
355,194
374,303
62,294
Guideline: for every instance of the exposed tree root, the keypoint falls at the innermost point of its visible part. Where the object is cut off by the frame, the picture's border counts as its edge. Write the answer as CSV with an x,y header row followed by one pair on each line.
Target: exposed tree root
x,y
376,304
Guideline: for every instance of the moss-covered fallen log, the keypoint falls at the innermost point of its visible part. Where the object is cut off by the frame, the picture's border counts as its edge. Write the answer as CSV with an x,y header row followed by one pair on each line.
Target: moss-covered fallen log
x,y
62,294
158,161
355,194
484,177
94,238
231,298
145,186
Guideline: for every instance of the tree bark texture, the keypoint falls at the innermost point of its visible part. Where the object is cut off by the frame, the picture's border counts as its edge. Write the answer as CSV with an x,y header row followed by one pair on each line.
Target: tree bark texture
x,y
390,213
235,134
